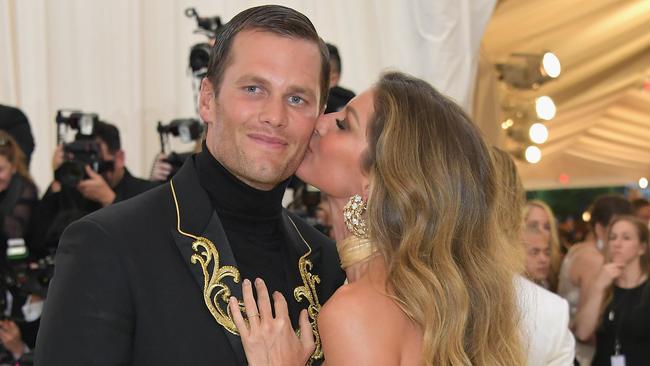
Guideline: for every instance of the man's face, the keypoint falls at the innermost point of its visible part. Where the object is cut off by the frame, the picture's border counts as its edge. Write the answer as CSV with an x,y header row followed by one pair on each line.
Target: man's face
x,y
266,107
114,175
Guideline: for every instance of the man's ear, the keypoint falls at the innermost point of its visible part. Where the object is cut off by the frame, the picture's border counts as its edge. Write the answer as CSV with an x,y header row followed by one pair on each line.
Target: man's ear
x,y
206,100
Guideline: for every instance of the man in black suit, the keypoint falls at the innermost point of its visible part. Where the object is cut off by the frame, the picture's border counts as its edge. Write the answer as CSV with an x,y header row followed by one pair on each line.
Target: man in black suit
x,y
146,281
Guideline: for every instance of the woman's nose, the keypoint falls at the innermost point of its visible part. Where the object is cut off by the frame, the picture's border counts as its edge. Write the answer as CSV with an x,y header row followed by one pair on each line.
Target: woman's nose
x,y
324,123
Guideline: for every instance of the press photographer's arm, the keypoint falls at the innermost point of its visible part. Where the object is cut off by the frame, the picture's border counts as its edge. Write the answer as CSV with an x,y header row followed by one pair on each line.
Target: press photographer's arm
x,y
95,188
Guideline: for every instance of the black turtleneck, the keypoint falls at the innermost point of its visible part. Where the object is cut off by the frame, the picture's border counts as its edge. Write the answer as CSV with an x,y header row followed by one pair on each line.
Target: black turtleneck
x,y
251,219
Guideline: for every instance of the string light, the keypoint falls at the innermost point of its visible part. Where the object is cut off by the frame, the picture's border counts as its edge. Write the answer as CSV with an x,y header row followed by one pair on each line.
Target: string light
x,y
545,108
551,65
643,183
538,133
533,154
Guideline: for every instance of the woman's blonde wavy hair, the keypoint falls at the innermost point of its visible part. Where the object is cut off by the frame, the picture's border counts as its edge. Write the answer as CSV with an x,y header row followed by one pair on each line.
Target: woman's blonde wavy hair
x,y
432,215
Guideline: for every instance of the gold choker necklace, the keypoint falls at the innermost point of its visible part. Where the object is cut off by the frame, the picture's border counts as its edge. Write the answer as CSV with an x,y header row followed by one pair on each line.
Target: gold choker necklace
x,y
353,250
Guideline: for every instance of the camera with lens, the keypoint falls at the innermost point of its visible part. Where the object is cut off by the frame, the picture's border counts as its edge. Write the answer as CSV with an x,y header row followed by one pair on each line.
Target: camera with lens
x,y
200,52
187,130
22,275
82,151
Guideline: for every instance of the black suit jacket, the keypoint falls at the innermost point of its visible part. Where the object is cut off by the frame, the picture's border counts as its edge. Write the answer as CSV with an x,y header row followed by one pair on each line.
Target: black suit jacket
x,y
125,290
57,210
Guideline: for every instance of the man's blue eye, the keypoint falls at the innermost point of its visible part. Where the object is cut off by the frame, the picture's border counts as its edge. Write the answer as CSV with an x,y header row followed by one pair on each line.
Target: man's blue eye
x,y
295,99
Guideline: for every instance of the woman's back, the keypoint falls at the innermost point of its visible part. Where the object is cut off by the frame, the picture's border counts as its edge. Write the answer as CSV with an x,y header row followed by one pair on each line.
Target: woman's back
x,y
361,324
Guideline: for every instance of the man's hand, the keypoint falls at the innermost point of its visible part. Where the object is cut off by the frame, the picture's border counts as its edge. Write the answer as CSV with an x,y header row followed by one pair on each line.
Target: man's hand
x,y
95,188
11,338
57,157
161,169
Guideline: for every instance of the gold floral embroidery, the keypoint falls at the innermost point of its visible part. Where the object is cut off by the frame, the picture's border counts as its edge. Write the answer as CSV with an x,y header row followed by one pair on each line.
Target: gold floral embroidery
x,y
206,253
308,292
214,284
216,293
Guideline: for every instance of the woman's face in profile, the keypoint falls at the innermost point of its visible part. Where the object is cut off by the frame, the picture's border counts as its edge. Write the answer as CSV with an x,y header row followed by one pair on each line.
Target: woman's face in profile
x,y
7,171
332,162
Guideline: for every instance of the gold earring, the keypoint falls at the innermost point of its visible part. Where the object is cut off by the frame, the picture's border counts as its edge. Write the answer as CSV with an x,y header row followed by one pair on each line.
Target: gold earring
x,y
357,247
353,216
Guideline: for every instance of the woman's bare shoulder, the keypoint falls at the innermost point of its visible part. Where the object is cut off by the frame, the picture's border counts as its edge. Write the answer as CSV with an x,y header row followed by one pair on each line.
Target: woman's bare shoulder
x,y
360,324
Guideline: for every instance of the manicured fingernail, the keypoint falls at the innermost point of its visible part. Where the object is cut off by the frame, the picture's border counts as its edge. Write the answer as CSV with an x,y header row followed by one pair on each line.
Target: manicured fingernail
x,y
258,281
247,282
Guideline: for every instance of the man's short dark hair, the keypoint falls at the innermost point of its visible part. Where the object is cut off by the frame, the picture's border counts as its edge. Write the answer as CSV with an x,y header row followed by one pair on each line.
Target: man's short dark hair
x,y
335,58
275,19
109,134
606,207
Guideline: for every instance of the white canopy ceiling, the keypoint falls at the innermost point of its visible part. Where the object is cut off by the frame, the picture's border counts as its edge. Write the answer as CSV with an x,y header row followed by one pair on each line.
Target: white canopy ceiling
x,y
601,133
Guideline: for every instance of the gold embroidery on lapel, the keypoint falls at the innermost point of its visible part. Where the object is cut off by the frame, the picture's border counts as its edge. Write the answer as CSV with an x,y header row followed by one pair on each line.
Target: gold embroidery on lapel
x,y
206,252
308,291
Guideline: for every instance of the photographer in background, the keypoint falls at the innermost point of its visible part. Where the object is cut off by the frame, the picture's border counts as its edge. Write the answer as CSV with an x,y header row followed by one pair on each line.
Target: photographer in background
x,y
61,204
166,164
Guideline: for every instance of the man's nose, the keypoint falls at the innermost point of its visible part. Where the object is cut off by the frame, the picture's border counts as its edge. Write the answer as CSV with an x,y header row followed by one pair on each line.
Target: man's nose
x,y
274,112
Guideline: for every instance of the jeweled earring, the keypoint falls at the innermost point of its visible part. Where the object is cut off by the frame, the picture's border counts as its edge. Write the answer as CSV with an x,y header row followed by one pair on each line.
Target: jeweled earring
x,y
353,216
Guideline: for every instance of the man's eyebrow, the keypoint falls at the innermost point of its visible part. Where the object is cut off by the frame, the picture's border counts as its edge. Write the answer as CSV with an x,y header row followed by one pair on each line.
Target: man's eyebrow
x,y
249,78
294,89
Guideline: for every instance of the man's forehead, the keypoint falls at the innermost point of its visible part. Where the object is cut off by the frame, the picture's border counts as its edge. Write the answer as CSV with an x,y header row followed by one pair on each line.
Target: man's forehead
x,y
258,48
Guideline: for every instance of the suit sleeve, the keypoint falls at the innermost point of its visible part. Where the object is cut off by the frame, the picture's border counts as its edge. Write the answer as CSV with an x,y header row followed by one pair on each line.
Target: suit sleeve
x,y
565,344
88,315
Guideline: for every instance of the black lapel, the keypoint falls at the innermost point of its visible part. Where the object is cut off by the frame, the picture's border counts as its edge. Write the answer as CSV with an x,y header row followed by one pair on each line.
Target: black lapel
x,y
198,218
291,227
297,248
